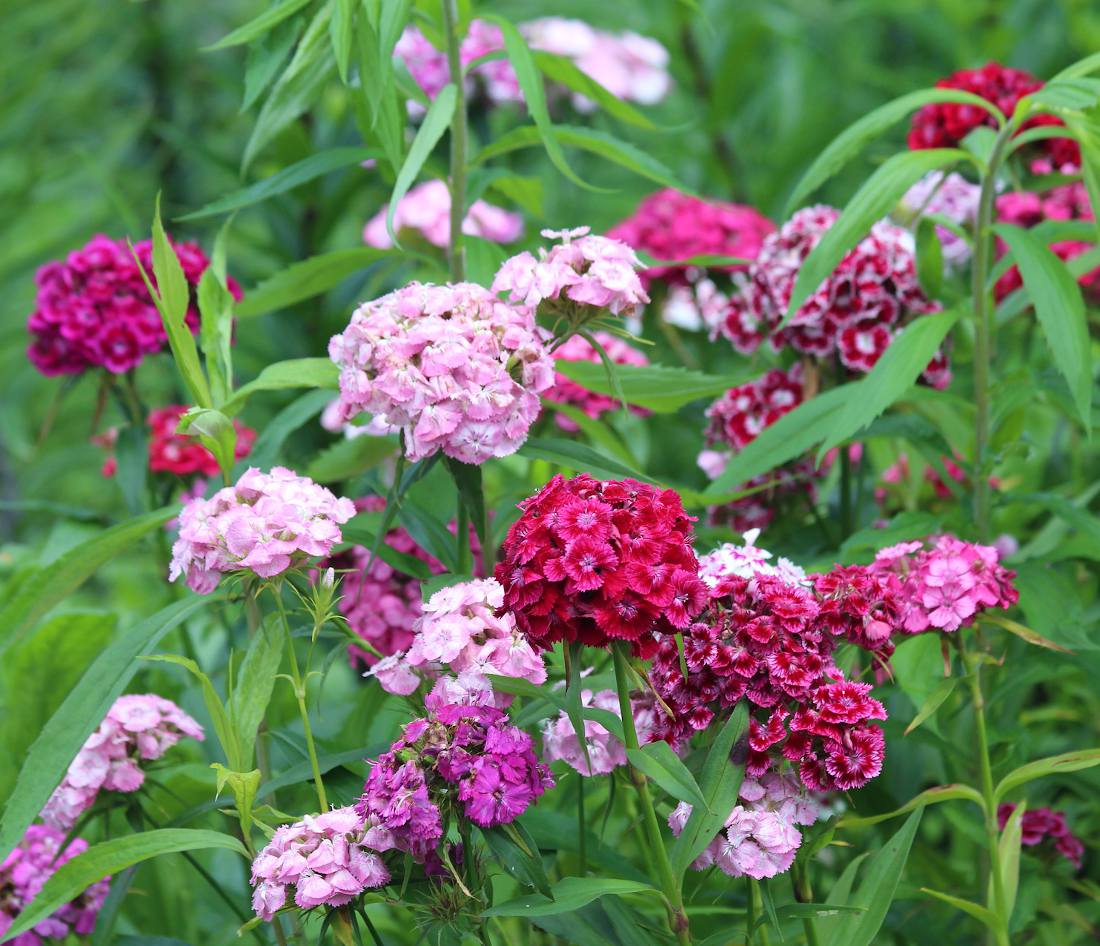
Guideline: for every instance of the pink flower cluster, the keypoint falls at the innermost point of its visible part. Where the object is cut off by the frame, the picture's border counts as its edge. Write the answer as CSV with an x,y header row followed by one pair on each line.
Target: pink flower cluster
x,y
460,630
139,727
854,313
469,755
1040,823
24,873
946,582
427,210
760,837
429,69
93,309
566,391
323,857
264,524
578,278
605,752
455,368
951,196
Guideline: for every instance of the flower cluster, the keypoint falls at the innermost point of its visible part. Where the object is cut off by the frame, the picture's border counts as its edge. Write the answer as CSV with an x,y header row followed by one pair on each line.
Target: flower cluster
x,y
455,368
567,391
760,837
946,582
854,313
578,278
605,752
596,561
94,310
324,857
1040,823
946,124
24,873
177,454
265,524
747,560
460,630
427,210
459,758
951,196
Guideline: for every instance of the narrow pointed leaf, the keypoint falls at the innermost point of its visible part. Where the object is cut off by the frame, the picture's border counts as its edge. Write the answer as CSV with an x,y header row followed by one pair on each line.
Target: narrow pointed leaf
x,y
255,28
657,761
570,893
1052,765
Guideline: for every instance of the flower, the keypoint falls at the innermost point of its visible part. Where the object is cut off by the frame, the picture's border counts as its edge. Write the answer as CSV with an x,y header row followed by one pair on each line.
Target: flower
x,y
1040,823
567,391
747,561
94,310
605,751
578,278
25,871
951,196
427,209
595,561
138,727
325,858
265,524
455,368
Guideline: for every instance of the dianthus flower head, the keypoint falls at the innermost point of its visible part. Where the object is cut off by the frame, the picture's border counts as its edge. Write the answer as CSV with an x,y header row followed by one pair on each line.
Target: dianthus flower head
x,y
596,561
566,391
93,309
1037,824
951,196
265,524
24,872
457,369
139,727
322,860
426,209
747,561
605,752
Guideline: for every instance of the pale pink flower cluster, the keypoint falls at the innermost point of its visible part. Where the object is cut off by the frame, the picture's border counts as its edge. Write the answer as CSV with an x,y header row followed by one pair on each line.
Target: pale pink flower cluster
x,y
455,368
605,751
747,561
139,727
325,858
760,837
580,273
427,210
953,197
264,524
460,631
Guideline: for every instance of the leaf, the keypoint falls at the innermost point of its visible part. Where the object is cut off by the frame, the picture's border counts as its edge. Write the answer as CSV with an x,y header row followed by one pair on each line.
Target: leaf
x,y
980,913
244,786
570,893
564,72
341,32
471,493
519,857
268,446
929,258
294,373
215,431
307,278
577,456
380,111
1082,67
82,711
719,783
876,198
406,564
1060,310
431,130
255,683
315,166
851,141
1052,765
53,583
216,323
930,796
227,736
1076,93
350,457
265,56
933,703
110,857
840,893
657,388
254,29
132,457
1008,859
1024,632
663,766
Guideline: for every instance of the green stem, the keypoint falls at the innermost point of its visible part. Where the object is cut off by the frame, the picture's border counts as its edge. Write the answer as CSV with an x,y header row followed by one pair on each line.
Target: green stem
x,y
750,911
803,893
457,248
462,534
678,920
582,849
758,908
300,696
845,492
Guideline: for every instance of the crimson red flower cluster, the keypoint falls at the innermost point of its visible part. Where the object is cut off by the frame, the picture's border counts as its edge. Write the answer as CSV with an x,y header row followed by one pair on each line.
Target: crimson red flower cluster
x,y
1039,823
771,642
596,561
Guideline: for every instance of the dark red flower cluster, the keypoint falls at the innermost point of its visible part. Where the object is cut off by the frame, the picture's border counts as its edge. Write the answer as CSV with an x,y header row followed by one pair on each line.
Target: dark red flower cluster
x,y
669,225
854,313
765,640
946,124
1042,823
93,309
596,561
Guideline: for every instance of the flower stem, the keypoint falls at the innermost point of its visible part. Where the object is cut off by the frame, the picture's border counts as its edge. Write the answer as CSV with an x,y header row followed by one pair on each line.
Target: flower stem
x,y
750,911
457,249
803,893
678,920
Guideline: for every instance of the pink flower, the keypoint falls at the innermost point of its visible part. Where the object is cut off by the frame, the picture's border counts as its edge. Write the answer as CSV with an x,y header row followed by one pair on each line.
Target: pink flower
x,y
427,209
951,196
605,752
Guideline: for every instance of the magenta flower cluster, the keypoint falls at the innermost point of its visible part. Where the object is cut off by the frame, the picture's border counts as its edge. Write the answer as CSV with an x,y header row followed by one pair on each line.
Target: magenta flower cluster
x,y
139,727
265,524
455,368
1038,824
605,752
567,391
427,210
24,873
94,310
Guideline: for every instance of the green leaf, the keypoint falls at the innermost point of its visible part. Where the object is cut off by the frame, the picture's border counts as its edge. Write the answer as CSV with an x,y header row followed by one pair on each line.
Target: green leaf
x,y
227,735
657,761
315,166
431,130
268,446
1060,310
380,111
876,198
216,326
1052,765
519,856
933,703
657,388
471,493
406,564
82,711
976,910
132,457
350,457
929,258
294,373
719,784
852,140
254,29
1024,632
570,893
1082,67
578,456
840,893
1008,860
255,683
930,796
264,58
341,32
244,786
110,857
216,432
53,583
563,71
1073,92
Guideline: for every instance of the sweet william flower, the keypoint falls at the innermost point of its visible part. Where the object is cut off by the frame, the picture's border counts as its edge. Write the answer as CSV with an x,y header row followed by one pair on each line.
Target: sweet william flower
x,y
1038,824
426,209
